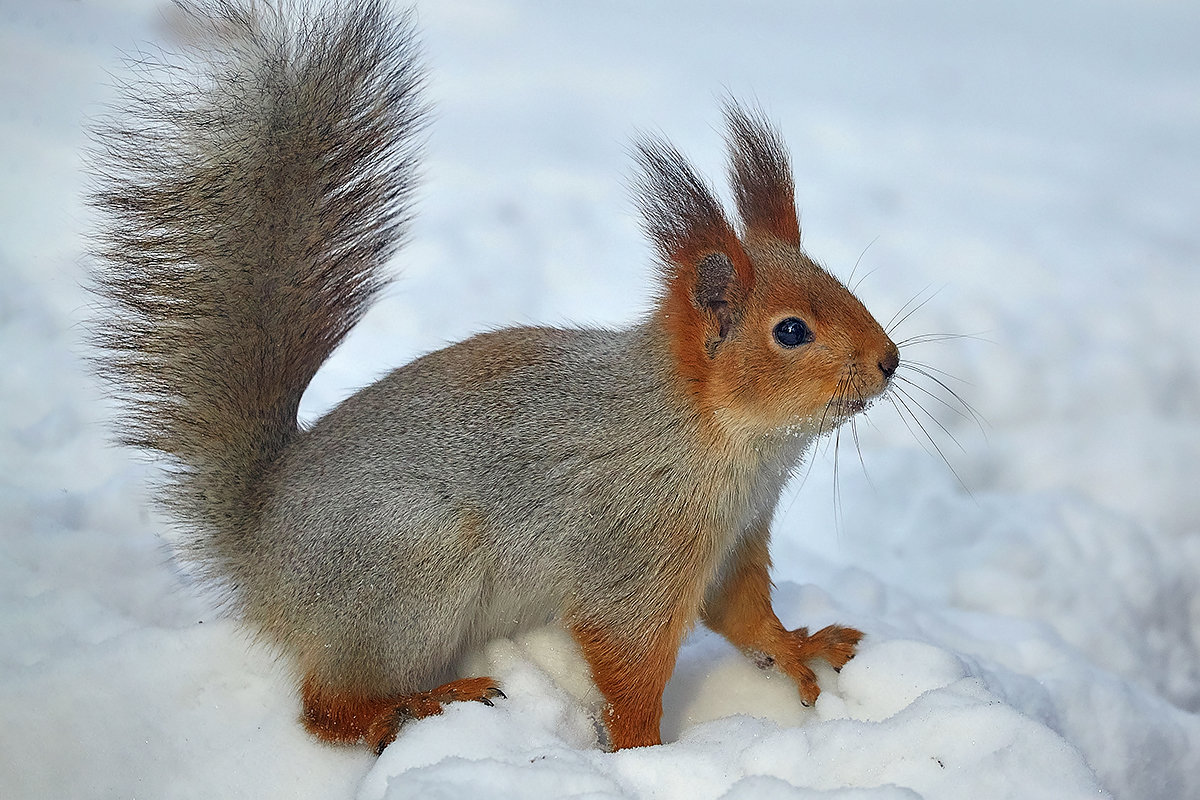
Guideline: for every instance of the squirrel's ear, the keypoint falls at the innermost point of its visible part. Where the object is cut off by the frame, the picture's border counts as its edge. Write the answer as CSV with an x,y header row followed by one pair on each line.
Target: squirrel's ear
x,y
761,174
704,267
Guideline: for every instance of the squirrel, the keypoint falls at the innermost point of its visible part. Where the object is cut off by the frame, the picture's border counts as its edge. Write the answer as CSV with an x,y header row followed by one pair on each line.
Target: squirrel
x,y
620,482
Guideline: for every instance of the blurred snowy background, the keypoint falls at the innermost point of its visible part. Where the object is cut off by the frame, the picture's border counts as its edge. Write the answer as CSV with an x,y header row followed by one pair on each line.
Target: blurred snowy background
x,y
1032,169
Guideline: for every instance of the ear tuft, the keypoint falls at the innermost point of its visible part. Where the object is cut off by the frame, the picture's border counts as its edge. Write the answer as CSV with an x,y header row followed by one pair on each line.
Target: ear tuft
x,y
679,211
761,174
706,272
686,224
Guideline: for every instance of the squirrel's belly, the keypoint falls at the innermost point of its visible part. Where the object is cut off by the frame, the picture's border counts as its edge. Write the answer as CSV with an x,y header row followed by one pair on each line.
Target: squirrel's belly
x,y
507,613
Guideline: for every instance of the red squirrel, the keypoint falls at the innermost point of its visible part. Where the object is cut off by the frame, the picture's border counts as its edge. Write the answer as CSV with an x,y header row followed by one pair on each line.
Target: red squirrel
x,y
621,482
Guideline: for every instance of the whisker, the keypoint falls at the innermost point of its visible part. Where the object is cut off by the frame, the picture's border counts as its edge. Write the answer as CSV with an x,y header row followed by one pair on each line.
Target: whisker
x,y
836,403
956,411
891,327
867,419
859,261
814,447
888,328
900,409
933,444
858,449
865,275
811,453
931,418
825,412
858,445
927,338
837,487
931,368
978,418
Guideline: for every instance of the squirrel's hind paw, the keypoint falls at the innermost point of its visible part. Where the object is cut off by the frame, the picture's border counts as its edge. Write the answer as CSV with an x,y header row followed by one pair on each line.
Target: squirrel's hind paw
x,y
350,718
384,729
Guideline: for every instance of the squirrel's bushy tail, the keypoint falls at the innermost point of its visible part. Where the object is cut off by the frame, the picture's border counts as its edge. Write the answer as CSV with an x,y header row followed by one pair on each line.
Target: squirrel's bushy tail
x,y
251,195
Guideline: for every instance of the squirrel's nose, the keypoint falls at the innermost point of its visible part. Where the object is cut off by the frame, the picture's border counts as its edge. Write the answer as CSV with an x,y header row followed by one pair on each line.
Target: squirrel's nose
x,y
889,363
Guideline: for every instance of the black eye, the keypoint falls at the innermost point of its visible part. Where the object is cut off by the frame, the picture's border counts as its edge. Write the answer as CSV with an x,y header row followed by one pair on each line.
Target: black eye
x,y
792,332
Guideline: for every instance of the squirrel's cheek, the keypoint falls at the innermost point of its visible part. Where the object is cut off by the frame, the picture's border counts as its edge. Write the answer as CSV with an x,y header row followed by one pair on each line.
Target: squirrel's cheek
x,y
773,403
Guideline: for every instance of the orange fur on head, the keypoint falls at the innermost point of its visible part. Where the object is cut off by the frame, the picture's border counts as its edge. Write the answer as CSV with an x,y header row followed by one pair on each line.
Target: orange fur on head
x,y
723,296
764,387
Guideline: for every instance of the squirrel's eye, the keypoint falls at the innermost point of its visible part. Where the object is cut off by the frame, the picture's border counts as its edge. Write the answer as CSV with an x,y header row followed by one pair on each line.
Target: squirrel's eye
x,y
792,332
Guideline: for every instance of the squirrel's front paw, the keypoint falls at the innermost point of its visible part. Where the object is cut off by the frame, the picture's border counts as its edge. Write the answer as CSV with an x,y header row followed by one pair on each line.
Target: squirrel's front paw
x,y
835,644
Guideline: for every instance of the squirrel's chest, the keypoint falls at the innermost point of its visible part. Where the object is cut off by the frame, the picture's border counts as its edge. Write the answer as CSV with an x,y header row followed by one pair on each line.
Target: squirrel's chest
x,y
745,487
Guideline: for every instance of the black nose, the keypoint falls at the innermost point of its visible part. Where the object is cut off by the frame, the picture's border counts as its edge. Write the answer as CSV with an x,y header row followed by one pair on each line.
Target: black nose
x,y
889,363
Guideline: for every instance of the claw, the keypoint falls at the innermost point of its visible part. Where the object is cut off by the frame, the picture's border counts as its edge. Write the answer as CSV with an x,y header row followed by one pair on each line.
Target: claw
x,y
489,693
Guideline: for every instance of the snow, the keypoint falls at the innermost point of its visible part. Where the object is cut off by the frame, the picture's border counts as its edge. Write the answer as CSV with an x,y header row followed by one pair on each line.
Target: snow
x,y
1027,169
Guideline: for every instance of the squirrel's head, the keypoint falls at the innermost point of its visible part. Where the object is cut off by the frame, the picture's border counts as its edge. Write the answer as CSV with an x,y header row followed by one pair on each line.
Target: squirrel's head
x,y
762,336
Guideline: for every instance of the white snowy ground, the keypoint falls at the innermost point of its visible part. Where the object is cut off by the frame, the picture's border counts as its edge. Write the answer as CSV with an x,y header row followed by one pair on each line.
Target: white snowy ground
x,y
1035,164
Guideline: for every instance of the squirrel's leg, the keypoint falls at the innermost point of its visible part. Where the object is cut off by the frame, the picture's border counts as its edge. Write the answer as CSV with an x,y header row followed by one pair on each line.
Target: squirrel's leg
x,y
631,668
739,608
347,717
